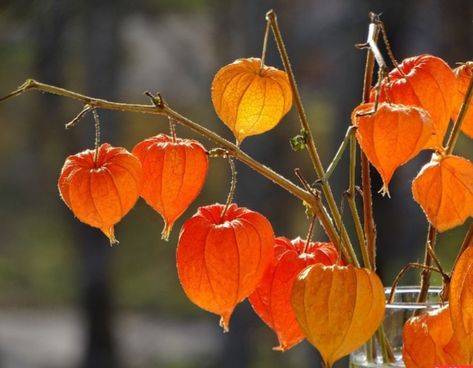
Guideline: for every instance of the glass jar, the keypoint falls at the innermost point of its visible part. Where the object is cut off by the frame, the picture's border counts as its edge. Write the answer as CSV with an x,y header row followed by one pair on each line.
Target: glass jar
x,y
397,313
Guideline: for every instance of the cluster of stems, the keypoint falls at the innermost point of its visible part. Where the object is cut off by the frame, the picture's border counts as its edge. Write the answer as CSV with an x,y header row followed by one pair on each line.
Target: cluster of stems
x,y
321,201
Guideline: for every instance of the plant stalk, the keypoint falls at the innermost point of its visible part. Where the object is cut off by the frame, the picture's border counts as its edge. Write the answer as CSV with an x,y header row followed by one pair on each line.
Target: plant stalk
x,y
452,139
160,108
314,156
373,55
425,276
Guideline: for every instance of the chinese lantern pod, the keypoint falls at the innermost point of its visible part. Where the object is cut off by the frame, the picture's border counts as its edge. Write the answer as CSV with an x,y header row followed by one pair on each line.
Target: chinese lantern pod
x,y
461,302
463,75
338,307
444,190
221,260
250,98
429,340
100,193
391,136
174,172
272,298
427,82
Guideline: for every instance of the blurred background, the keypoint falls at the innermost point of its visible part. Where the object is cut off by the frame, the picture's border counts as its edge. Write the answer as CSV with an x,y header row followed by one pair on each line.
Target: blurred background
x,y
67,299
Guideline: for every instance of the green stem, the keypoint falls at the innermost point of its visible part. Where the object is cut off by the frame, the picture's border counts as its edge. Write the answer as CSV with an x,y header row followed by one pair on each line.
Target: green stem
x,y
331,168
314,156
452,139
351,196
97,134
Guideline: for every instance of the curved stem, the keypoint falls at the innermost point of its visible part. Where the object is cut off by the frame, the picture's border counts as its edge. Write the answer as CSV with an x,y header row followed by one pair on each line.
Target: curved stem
x,y
403,271
160,108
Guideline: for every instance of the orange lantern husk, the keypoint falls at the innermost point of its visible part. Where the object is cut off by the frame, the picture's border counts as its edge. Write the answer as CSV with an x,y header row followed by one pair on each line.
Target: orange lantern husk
x,y
429,340
427,82
221,257
444,190
461,303
463,75
101,192
272,298
250,97
338,307
391,136
174,172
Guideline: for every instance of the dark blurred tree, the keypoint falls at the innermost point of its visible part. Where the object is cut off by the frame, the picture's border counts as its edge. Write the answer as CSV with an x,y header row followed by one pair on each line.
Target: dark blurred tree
x,y
102,60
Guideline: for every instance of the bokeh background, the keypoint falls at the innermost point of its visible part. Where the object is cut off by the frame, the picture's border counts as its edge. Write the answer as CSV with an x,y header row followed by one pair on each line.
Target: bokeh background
x,y
69,300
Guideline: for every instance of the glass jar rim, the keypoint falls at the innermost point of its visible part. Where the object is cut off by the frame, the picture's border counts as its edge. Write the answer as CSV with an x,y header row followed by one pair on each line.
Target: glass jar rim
x,y
434,291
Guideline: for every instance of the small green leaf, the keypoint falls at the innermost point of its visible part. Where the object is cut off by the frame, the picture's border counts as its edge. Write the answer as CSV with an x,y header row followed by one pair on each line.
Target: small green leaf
x,y
299,142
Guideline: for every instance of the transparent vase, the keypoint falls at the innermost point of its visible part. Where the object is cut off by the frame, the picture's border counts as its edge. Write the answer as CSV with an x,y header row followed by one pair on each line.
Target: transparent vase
x,y
397,313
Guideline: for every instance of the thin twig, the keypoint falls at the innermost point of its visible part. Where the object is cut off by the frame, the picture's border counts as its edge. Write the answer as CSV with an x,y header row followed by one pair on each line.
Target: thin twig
x,y
233,183
309,234
436,260
351,198
401,274
389,49
373,53
316,195
79,116
452,139
425,277
97,134
311,148
265,43
160,108
172,130
467,242
336,159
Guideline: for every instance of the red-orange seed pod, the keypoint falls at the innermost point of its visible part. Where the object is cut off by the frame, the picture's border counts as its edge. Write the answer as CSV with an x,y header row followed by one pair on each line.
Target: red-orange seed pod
x,y
101,192
174,172
221,260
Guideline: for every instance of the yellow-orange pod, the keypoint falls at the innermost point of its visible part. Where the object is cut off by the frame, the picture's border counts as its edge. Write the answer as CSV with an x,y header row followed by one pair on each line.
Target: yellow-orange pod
x,y
338,308
250,98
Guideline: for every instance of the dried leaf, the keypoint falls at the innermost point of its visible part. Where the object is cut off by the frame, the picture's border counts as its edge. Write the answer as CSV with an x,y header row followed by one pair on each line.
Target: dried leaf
x,y
272,298
444,190
338,307
427,82
391,136
221,260
429,340
250,98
